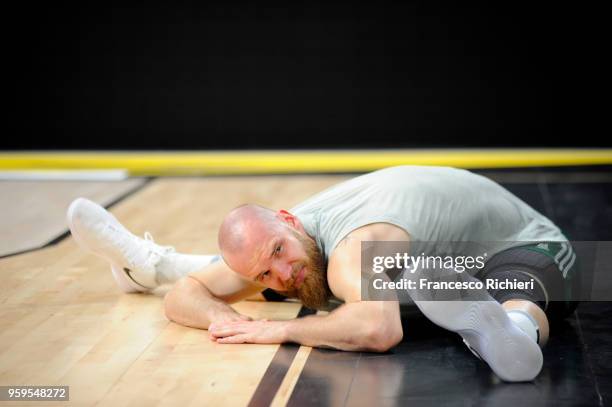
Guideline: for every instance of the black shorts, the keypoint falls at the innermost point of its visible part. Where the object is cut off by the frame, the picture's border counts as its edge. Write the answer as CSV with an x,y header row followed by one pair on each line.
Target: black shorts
x,y
553,266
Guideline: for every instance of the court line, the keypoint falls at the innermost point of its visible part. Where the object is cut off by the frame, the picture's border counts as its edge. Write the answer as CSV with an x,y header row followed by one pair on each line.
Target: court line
x,y
272,379
143,163
293,374
56,240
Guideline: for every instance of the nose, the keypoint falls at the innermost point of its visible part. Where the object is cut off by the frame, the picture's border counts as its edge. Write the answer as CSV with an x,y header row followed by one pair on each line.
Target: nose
x,y
284,270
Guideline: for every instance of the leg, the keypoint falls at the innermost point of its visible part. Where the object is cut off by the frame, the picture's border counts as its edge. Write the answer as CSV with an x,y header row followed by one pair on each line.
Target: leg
x,y
547,297
138,265
483,324
490,334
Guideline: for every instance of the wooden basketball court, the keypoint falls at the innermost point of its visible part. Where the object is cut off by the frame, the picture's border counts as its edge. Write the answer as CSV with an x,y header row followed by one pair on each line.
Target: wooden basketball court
x,y
64,322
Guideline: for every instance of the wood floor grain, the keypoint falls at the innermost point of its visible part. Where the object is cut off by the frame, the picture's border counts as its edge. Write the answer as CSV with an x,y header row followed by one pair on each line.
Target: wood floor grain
x,y
64,322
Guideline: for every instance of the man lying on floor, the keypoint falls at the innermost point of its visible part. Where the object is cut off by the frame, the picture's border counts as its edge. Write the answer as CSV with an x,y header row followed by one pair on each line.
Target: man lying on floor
x,y
313,253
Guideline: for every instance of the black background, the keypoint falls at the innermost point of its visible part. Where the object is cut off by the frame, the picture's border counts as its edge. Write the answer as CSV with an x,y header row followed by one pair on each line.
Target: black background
x,y
329,75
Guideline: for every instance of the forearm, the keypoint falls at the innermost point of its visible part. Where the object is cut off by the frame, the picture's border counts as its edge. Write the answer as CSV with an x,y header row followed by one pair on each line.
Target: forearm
x,y
353,327
190,304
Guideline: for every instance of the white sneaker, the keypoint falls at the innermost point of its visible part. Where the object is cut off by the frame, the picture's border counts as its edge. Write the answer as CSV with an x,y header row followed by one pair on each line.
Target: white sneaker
x,y
132,259
490,334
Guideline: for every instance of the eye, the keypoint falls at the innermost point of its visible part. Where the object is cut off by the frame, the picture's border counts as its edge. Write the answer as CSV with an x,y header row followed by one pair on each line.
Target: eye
x,y
264,275
278,249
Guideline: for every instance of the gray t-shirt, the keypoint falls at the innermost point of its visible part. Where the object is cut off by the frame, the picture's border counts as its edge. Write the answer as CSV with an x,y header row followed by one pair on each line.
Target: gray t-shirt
x,y
433,204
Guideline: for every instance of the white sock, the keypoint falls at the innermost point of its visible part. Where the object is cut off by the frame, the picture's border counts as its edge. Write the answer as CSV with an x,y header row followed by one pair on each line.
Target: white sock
x,y
173,266
526,323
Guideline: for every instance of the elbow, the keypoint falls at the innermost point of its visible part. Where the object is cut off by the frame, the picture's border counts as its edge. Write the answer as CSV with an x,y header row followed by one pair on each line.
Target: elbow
x,y
169,304
172,298
383,337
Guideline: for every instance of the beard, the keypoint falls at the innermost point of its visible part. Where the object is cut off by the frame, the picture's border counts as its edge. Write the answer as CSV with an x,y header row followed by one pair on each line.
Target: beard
x,y
314,291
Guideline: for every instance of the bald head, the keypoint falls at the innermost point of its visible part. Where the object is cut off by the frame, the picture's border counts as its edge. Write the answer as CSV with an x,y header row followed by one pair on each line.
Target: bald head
x,y
243,225
274,250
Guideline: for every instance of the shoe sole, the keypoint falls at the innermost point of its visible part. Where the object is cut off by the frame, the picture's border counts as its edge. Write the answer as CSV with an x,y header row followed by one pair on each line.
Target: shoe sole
x,y
125,283
510,353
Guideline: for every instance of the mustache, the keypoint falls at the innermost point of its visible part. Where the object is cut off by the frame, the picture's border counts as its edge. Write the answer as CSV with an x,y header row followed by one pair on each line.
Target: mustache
x,y
290,283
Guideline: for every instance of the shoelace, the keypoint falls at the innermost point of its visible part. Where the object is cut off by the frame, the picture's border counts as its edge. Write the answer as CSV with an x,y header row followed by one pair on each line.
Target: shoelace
x,y
154,247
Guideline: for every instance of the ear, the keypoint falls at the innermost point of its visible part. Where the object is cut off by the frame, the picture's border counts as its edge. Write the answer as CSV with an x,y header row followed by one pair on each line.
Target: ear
x,y
290,219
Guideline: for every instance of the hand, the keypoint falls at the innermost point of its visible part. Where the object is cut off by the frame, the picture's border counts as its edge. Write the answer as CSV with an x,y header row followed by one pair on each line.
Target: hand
x,y
263,331
226,314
